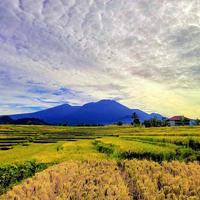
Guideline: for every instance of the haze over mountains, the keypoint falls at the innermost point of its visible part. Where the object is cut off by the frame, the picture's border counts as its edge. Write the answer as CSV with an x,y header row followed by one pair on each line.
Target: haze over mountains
x,y
101,112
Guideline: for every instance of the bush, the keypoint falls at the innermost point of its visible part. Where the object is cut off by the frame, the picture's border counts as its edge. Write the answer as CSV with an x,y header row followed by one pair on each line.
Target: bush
x,y
119,123
194,145
104,148
12,174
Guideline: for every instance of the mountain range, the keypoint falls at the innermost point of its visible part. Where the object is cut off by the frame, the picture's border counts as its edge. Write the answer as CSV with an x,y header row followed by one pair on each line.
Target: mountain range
x,y
101,112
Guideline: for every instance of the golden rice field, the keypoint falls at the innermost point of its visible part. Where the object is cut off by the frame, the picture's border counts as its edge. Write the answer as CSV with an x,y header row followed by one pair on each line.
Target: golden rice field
x,y
168,180
109,162
142,180
74,180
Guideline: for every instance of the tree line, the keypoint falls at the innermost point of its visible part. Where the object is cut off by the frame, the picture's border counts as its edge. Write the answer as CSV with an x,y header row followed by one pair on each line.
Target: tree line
x,y
153,122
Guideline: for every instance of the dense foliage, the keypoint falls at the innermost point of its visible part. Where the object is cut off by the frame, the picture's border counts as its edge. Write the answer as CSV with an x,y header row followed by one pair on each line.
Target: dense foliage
x,y
12,174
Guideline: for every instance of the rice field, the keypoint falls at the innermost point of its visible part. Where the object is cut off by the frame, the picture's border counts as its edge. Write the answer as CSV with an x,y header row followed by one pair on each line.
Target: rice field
x,y
74,180
142,180
105,162
168,180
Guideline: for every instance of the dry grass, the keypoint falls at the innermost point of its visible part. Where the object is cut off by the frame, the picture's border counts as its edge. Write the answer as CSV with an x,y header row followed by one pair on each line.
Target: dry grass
x,y
169,180
73,180
135,179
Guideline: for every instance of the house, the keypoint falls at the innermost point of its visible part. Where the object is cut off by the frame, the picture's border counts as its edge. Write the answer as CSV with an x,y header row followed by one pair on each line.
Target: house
x,y
179,121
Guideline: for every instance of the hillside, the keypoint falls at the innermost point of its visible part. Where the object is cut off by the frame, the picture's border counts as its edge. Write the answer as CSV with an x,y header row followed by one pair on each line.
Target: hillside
x,y
53,115
101,112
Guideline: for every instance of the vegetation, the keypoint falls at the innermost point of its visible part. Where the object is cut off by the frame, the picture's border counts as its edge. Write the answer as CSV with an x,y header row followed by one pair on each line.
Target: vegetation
x,y
188,142
99,162
168,180
51,152
12,174
74,180
135,119
197,121
135,179
155,122
127,149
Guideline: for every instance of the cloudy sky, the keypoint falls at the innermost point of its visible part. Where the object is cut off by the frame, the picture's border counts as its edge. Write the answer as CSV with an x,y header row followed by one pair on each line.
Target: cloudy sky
x,y
142,53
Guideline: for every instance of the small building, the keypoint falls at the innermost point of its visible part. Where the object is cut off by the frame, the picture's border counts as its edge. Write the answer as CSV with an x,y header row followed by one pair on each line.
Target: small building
x,y
179,121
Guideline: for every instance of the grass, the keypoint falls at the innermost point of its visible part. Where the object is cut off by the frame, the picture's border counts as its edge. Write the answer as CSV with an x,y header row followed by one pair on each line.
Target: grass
x,y
190,141
128,149
101,146
51,152
59,143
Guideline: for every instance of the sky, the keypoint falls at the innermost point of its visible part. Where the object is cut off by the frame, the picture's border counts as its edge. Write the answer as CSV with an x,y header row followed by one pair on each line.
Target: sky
x,y
142,53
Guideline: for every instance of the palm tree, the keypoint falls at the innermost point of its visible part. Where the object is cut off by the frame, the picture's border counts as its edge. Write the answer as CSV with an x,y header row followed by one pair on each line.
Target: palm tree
x,y
135,119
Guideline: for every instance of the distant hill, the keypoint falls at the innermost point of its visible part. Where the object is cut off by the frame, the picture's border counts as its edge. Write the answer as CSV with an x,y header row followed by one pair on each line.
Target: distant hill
x,y
53,115
101,112
6,120
30,121
26,121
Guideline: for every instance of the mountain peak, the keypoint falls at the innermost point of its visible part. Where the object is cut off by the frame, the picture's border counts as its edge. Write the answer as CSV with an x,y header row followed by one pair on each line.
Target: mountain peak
x,y
106,100
105,111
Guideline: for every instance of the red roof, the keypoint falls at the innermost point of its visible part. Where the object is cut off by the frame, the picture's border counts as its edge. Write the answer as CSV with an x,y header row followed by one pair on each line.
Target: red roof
x,y
178,118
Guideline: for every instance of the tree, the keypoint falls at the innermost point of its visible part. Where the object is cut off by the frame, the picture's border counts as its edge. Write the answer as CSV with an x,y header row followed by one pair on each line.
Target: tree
x,y
119,123
147,123
164,121
197,121
182,120
154,122
135,119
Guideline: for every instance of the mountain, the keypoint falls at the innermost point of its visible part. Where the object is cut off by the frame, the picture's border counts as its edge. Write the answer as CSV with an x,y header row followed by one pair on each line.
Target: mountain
x,y
29,121
157,116
101,112
53,115
6,120
141,114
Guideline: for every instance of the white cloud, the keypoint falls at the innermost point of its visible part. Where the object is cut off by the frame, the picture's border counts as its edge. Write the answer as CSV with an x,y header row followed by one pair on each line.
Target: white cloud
x,y
143,52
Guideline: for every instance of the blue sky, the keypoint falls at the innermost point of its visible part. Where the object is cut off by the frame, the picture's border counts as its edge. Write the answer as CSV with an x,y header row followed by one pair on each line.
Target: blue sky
x,y
144,53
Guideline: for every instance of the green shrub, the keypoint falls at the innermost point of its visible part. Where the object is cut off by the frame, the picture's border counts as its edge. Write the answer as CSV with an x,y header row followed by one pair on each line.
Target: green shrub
x,y
104,148
12,174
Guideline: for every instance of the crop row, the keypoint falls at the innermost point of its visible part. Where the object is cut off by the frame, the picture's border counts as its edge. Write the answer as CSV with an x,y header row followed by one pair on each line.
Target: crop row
x,y
124,149
190,142
7,143
165,181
